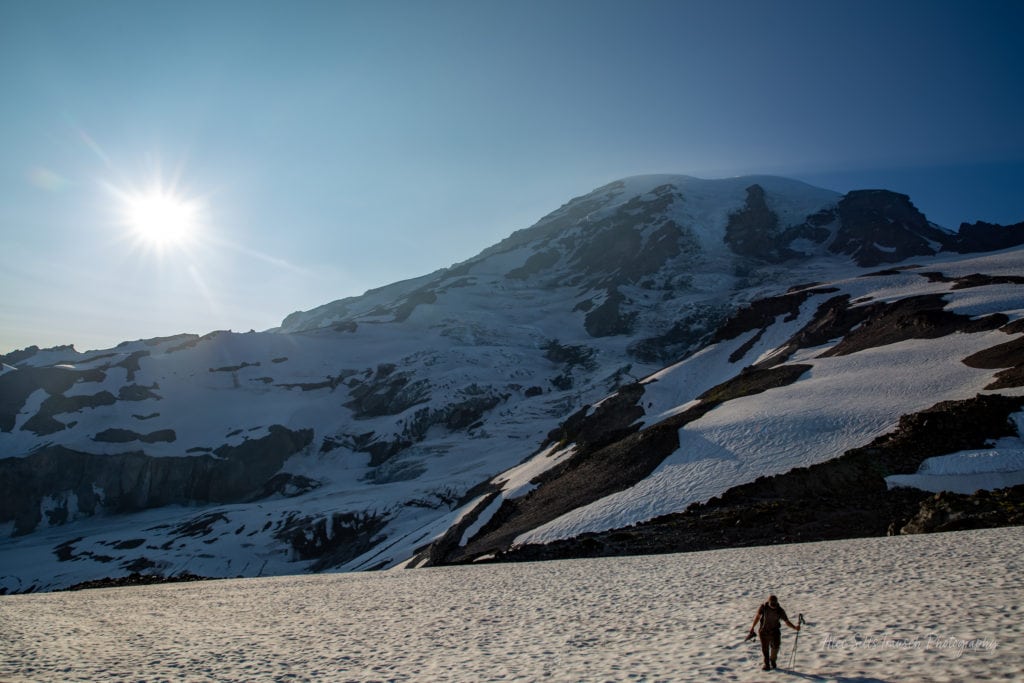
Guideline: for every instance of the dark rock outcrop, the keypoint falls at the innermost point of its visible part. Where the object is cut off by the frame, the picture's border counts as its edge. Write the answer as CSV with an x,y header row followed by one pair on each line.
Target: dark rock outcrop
x,y
386,392
17,386
1008,355
333,540
609,319
948,511
917,317
762,313
127,482
683,336
536,263
753,231
981,236
116,435
137,579
878,226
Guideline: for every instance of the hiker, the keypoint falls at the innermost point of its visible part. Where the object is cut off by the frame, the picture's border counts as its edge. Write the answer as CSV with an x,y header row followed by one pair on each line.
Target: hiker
x,y
770,616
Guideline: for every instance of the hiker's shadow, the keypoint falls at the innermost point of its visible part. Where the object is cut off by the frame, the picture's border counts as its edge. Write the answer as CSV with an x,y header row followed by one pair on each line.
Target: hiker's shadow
x,y
831,678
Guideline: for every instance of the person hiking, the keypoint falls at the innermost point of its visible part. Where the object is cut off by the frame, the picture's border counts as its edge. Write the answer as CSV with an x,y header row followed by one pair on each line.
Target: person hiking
x,y
770,616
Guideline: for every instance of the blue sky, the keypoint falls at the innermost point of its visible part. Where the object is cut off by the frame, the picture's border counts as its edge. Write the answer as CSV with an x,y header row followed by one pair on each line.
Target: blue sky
x,y
339,146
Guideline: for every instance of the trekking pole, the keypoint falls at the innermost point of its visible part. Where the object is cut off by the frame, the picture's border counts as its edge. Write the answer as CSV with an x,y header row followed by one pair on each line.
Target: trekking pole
x,y
792,655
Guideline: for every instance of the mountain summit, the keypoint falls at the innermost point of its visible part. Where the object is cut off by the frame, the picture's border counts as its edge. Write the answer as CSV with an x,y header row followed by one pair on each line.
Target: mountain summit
x,y
656,344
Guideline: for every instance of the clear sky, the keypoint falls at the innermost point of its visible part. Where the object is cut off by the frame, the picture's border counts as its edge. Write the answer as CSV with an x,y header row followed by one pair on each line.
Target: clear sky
x,y
319,149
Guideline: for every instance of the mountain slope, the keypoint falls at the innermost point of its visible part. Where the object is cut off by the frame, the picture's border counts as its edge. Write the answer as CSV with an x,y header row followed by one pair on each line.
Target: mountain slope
x,y
782,389
366,430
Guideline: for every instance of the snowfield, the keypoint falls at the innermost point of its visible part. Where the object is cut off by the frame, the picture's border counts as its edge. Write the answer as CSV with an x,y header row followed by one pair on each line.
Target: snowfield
x,y
939,607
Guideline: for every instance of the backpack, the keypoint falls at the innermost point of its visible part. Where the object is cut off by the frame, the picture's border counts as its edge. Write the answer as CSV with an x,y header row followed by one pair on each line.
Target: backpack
x,y
772,621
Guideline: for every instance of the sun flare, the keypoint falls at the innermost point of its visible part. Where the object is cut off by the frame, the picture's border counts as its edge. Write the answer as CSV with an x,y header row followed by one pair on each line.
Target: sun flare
x,y
160,218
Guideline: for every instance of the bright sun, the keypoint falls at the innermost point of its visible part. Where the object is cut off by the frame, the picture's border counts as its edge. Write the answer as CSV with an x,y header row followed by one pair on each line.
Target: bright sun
x,y
160,218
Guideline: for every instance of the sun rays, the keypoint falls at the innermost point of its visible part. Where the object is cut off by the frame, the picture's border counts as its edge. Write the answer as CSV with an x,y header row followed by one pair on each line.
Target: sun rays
x,y
161,218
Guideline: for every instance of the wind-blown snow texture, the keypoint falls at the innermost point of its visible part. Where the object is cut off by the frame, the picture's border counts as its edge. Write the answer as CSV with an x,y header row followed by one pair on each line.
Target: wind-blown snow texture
x,y
940,607
359,432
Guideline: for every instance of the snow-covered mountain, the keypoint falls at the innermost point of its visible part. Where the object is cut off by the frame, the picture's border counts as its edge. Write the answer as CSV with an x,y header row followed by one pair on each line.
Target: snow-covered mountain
x,y
648,346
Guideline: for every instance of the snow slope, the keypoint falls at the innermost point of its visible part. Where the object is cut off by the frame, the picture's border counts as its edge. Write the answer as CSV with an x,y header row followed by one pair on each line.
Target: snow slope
x,y
939,607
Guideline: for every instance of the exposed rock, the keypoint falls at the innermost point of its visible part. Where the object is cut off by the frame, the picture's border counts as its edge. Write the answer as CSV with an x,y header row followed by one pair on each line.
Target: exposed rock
x,y
570,356
134,481
462,414
236,368
331,382
15,357
334,540
201,525
1008,379
137,579
633,241
1014,327
1009,355
684,336
16,387
981,236
536,263
973,280
608,319
948,511
815,230
438,551
133,392
833,319
917,317
466,413
43,422
131,363
753,231
878,226
415,299
581,480
288,485
386,393
761,314
754,381
138,564
1005,355
117,435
